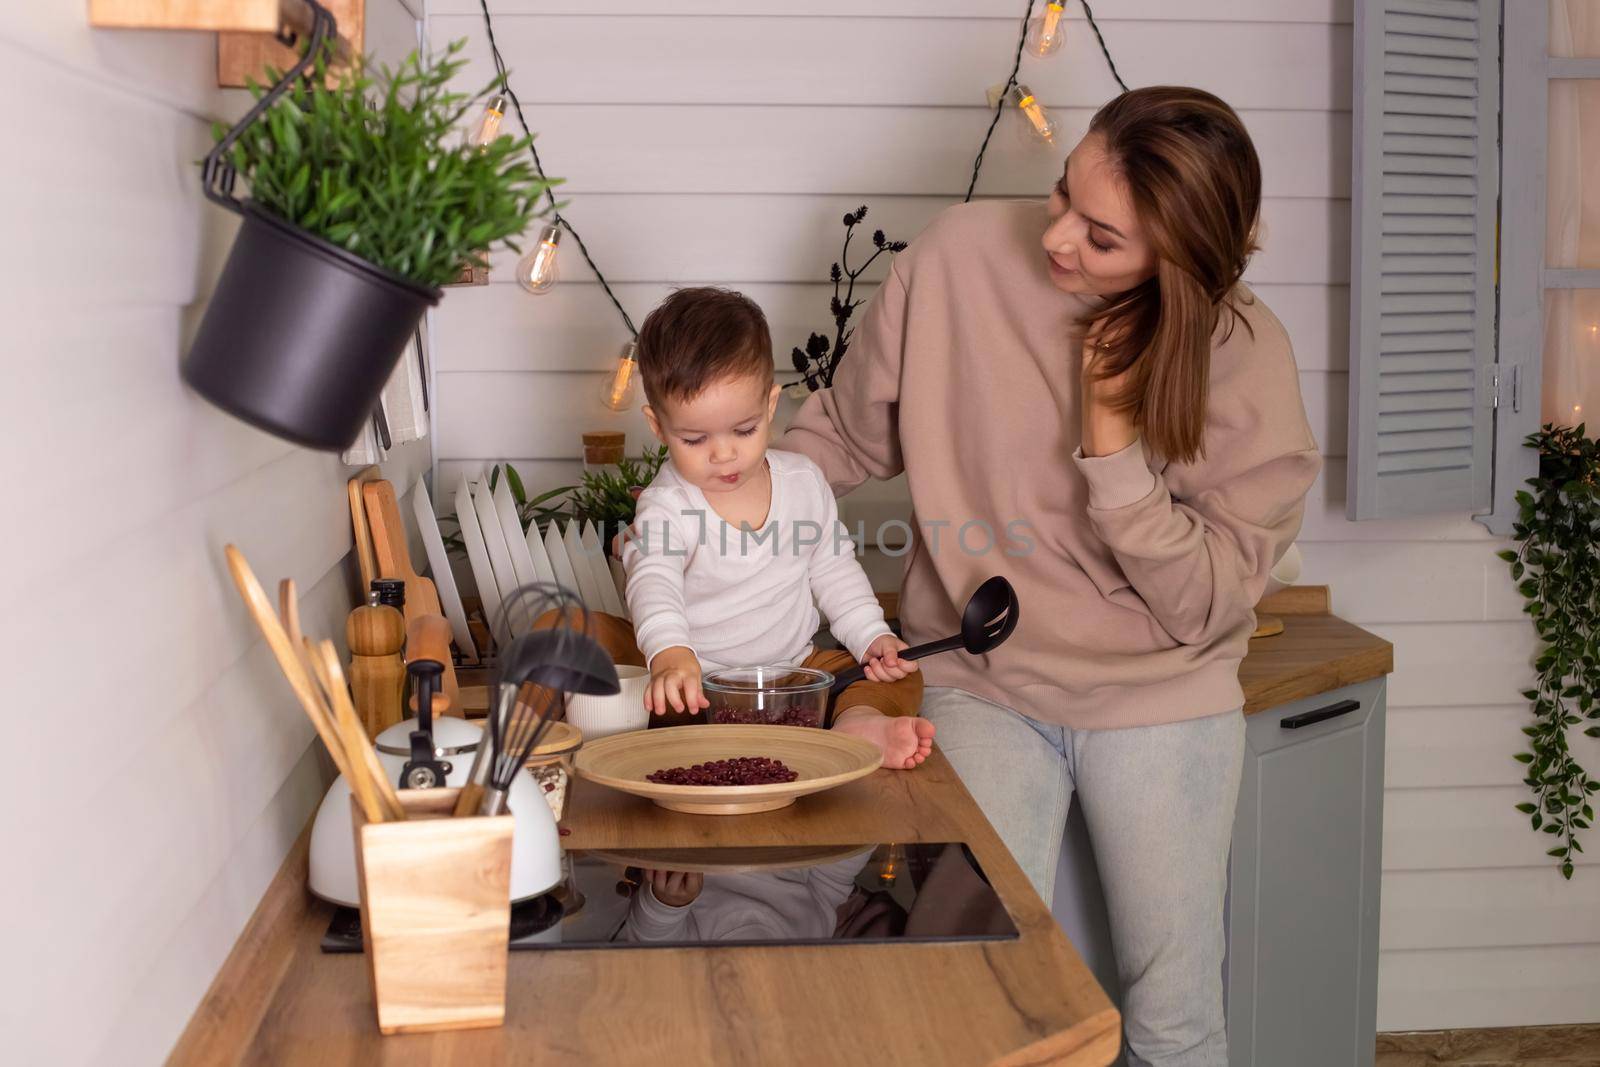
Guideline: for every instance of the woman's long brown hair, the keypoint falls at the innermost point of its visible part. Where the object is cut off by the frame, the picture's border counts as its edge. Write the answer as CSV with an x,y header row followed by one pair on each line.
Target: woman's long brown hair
x,y
1195,183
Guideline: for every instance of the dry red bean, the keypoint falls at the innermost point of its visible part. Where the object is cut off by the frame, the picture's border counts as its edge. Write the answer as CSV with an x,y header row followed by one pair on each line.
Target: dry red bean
x,y
739,770
729,715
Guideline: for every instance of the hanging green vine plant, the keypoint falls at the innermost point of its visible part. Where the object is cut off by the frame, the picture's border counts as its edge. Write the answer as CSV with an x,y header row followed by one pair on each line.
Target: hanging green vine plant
x,y
1557,570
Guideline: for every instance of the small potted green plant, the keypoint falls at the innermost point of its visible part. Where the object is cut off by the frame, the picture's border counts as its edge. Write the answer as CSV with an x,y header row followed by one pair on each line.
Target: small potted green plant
x,y
364,199
606,497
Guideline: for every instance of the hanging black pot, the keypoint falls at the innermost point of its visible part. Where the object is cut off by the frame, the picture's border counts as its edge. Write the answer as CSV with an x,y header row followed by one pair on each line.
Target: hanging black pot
x,y
301,335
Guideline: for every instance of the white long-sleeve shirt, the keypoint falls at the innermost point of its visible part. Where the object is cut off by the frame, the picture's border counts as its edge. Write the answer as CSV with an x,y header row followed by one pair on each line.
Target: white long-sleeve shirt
x,y
740,597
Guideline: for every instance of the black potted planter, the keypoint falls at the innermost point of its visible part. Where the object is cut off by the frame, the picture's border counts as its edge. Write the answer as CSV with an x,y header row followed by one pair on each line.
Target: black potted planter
x,y
301,335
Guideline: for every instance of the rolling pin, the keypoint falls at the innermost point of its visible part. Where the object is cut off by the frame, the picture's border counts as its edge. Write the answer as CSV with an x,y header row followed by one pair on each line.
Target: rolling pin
x,y
377,633
428,637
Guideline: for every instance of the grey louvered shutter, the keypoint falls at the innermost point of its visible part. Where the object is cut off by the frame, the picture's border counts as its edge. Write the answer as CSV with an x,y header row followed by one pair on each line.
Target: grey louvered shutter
x,y
1422,285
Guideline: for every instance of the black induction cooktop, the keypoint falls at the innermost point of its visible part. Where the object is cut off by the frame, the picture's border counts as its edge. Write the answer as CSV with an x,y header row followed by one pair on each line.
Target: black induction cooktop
x,y
705,897
803,895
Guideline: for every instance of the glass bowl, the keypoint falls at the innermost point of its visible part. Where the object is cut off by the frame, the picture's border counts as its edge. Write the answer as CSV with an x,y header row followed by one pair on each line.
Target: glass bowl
x,y
775,695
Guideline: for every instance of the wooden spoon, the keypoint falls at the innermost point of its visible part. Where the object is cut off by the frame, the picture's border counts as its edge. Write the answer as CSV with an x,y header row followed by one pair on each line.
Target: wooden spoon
x,y
255,599
371,776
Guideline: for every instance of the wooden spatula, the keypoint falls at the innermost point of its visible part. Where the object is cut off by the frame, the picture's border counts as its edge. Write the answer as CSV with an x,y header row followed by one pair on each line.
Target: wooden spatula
x,y
293,667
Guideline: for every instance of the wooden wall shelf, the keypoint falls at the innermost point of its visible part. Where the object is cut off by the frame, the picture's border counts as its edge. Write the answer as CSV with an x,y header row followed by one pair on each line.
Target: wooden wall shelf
x,y
246,29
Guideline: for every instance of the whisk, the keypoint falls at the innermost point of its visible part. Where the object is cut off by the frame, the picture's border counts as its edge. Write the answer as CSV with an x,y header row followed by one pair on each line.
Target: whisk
x,y
536,672
513,742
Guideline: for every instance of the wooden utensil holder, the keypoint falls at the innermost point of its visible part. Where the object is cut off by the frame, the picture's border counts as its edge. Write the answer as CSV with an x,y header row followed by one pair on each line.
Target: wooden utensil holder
x,y
435,914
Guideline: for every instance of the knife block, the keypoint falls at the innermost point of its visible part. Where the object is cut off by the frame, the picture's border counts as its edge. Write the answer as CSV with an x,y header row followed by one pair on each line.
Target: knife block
x,y
435,914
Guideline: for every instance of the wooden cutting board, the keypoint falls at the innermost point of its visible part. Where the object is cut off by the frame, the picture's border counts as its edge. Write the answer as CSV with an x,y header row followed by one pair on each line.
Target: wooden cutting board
x,y
361,529
393,552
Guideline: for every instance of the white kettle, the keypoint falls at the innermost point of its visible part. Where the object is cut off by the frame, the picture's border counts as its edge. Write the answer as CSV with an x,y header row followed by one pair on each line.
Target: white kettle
x,y
535,843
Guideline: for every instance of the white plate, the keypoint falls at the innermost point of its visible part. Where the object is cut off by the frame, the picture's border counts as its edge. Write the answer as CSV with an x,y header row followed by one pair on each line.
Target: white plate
x,y
594,591
541,558
444,580
596,556
477,552
494,537
565,574
619,574
580,568
506,507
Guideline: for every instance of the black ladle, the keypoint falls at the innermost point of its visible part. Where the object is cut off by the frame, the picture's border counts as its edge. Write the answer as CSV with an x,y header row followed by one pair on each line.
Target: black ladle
x,y
986,622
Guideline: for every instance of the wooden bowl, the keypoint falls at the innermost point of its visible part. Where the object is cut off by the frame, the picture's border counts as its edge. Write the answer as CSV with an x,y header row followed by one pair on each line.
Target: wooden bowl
x,y
561,739
823,759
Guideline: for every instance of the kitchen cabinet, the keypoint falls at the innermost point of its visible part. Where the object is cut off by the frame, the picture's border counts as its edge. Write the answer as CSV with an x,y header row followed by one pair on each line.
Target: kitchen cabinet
x,y
1302,967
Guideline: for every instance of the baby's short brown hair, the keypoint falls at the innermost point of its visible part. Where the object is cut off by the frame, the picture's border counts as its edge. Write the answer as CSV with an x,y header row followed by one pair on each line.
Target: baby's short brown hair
x,y
702,335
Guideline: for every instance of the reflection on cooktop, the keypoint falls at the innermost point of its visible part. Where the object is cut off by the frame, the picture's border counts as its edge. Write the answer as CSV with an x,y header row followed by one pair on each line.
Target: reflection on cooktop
x,y
813,895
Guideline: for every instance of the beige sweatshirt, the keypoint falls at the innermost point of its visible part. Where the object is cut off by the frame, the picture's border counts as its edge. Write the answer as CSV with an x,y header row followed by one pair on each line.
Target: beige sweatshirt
x,y
1137,578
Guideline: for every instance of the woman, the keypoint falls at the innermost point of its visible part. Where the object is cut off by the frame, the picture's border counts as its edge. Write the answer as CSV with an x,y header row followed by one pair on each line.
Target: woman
x,y
1084,398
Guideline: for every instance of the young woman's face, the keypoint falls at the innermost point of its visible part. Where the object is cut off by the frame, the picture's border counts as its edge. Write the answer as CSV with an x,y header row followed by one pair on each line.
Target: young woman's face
x,y
1094,243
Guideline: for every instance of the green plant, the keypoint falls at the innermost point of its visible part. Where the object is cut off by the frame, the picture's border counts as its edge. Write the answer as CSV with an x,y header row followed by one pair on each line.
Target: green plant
x,y
606,498
529,511
378,166
1557,568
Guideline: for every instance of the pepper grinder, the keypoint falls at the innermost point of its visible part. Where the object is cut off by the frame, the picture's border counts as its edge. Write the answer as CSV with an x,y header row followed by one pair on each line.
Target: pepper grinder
x,y
376,633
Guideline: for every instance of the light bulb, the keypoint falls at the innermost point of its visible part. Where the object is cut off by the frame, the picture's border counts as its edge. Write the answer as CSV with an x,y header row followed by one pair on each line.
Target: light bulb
x,y
537,270
488,127
1037,124
622,384
1045,33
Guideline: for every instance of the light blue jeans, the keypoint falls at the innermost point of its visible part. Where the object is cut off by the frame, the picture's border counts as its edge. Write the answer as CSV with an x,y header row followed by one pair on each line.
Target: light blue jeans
x,y
1159,804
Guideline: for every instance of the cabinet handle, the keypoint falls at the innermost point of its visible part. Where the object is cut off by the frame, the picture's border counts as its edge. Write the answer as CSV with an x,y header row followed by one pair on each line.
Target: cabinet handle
x,y
1308,718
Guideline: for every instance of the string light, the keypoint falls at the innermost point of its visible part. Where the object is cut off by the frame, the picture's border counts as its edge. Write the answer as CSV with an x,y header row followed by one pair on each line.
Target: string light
x,y
560,221
536,271
488,125
1039,126
999,95
1046,33
622,387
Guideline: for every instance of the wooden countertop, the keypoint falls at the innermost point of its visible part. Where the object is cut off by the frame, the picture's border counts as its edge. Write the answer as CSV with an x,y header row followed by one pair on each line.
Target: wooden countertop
x,y
278,999
1316,653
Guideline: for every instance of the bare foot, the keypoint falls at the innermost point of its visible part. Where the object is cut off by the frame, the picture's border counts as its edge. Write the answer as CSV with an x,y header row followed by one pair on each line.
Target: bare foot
x,y
904,740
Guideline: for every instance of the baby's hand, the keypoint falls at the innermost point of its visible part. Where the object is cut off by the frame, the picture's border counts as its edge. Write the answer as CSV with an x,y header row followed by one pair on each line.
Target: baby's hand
x,y
675,682
675,889
883,662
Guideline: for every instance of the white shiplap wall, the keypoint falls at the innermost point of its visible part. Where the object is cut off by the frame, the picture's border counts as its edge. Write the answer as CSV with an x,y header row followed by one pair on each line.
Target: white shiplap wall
x,y
159,767
714,141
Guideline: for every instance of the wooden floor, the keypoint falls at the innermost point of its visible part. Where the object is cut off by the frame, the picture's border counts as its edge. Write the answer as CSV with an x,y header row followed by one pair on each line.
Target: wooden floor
x,y
1523,1046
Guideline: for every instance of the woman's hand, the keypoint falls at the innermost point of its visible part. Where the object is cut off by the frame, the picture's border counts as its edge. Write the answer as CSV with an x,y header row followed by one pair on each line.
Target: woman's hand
x,y
1105,429
675,682
883,663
